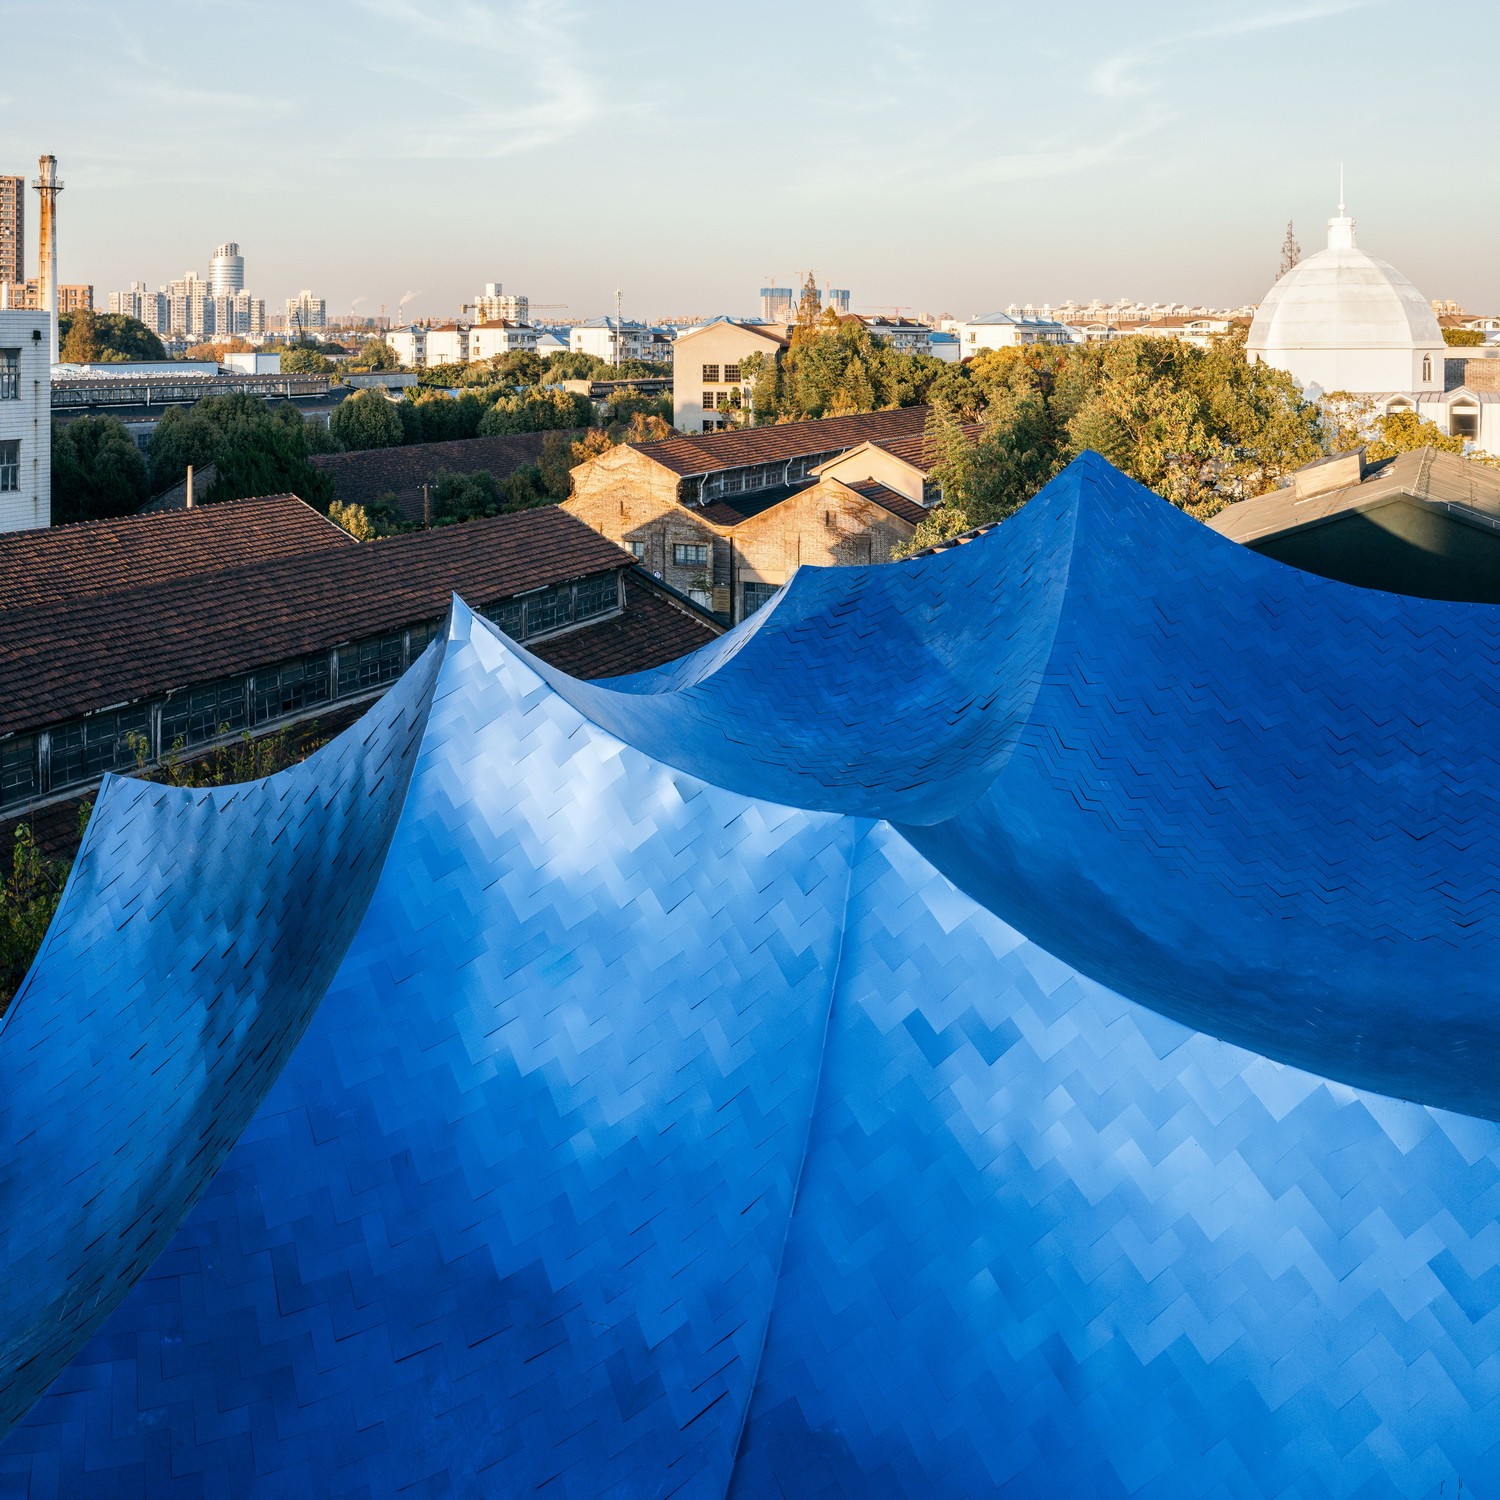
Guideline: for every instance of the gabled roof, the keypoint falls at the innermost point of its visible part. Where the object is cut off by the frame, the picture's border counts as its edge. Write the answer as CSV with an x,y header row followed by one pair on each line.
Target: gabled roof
x,y
888,499
766,331
911,449
61,563
1459,487
732,449
73,655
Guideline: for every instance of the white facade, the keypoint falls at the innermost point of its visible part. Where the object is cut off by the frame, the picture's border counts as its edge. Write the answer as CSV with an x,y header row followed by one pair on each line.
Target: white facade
x,y
500,336
999,330
902,334
306,313
708,387
252,362
1343,321
552,341
613,341
410,345
458,343
226,271
494,305
25,420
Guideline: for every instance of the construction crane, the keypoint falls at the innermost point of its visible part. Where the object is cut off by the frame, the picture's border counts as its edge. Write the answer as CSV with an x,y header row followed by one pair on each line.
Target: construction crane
x,y
897,308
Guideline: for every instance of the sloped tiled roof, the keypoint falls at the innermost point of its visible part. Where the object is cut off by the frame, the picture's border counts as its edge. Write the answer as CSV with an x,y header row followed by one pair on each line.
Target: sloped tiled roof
x,y
651,630
75,655
364,477
710,452
59,563
891,500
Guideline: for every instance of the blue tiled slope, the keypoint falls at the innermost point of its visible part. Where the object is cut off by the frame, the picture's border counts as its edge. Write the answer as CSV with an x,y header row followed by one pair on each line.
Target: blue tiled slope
x,y
1015,1021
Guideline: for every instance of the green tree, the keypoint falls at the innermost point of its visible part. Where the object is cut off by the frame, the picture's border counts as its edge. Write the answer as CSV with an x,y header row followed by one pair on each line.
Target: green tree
x,y
367,419
105,338
1463,338
97,470
354,519
1402,431
517,367
301,361
468,497
374,354
543,410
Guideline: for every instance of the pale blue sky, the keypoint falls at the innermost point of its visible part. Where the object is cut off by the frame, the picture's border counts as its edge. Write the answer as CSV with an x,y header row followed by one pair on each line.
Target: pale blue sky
x,y
940,155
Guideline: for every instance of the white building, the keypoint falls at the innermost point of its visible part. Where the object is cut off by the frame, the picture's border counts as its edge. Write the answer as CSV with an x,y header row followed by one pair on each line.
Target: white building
x,y
25,420
903,334
1343,321
306,314
189,310
1001,330
151,308
613,341
552,341
709,387
500,336
226,271
494,305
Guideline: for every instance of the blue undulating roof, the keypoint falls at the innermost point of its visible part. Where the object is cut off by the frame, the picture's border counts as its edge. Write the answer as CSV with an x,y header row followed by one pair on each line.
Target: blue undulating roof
x,y
1017,1020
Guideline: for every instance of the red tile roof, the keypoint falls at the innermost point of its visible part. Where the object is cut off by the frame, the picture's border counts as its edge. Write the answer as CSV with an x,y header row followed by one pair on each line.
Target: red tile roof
x,y
72,656
58,563
651,630
891,500
710,452
914,450
370,475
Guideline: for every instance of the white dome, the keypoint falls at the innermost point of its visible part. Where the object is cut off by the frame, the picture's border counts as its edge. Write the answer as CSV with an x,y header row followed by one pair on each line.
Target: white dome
x,y
1343,299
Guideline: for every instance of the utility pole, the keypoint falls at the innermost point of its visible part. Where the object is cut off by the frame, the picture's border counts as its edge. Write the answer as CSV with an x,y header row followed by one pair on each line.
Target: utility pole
x,y
619,329
46,244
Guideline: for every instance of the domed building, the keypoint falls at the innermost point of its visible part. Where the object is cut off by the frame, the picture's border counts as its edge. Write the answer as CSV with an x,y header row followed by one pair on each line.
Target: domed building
x,y
1341,320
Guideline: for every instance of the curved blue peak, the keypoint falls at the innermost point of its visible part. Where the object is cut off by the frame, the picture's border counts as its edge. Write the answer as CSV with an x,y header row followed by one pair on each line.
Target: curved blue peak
x,y
955,1035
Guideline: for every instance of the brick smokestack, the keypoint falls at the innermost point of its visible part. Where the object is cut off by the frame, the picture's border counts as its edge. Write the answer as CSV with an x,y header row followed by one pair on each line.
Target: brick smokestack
x,y
46,240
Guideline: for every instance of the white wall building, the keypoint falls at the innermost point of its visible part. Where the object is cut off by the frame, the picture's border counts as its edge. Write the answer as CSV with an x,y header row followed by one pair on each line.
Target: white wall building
x,y
611,340
709,389
1001,330
25,420
226,271
1343,321
494,305
306,314
500,336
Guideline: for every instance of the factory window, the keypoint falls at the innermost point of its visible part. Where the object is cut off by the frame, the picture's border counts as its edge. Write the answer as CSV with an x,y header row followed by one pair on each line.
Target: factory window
x,y
290,688
10,465
1463,421
756,594
689,555
637,550
711,373
204,713
367,664
510,617
17,769
595,596
10,374
731,374
103,742
549,611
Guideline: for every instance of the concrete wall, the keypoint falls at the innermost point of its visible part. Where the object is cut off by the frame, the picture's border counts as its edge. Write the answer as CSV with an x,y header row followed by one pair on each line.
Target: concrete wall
x,y
28,421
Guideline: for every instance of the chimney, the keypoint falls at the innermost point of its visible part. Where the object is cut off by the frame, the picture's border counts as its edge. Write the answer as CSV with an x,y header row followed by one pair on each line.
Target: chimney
x,y
190,487
426,506
46,241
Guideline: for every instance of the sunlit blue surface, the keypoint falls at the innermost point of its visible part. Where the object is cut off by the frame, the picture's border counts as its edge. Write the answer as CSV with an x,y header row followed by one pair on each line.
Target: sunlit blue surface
x,y
1015,1020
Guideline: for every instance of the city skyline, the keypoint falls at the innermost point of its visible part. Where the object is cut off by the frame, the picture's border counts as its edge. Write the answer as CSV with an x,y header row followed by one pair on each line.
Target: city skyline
x,y
1085,155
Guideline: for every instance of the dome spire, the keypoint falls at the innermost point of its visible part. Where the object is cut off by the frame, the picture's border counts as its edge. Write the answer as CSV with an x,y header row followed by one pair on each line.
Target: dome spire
x,y
1341,228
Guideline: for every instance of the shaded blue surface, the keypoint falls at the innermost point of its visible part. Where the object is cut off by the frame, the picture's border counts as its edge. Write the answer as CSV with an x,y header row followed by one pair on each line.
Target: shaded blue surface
x,y
854,1060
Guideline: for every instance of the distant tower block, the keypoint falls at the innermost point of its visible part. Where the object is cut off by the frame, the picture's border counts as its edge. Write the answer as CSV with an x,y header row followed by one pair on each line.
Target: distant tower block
x,y
46,241
226,272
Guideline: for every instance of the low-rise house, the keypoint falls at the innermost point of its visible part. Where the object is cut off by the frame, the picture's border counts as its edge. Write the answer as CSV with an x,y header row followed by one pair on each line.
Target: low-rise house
x,y
1000,330
1425,523
1200,330
727,517
611,340
710,386
131,639
902,334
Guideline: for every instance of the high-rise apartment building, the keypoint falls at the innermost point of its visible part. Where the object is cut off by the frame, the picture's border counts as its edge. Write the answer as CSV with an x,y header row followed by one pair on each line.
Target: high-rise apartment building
x,y
306,314
12,229
189,310
236,316
151,308
493,305
226,271
778,304
28,295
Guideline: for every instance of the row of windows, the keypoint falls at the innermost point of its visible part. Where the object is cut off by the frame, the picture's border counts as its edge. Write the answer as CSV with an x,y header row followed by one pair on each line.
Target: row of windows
x,y
754,477
551,609
711,374
10,374
84,749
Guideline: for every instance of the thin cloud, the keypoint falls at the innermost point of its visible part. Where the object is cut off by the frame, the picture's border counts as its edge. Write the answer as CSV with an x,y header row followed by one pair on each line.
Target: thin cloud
x,y
1124,75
